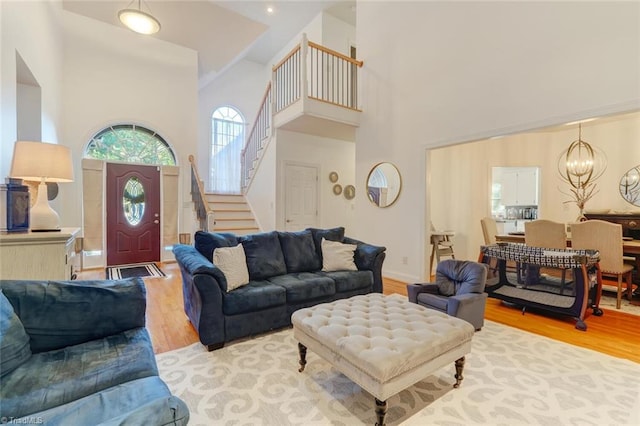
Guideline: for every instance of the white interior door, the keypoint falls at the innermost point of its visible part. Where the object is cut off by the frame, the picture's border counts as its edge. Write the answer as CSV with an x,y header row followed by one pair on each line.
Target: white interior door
x,y
301,197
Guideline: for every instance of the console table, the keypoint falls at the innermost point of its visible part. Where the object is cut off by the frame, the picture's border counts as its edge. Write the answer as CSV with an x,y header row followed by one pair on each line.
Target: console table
x,y
38,255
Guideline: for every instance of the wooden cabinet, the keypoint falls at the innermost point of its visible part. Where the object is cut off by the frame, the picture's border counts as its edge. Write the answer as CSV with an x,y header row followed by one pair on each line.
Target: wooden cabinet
x,y
520,187
630,222
38,255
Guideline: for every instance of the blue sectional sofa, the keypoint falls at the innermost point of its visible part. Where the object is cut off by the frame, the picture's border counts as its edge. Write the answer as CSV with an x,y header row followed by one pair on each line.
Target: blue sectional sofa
x,y
284,275
78,353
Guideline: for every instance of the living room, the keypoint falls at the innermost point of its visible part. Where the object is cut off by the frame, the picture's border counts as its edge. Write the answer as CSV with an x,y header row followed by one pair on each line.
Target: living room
x,y
439,74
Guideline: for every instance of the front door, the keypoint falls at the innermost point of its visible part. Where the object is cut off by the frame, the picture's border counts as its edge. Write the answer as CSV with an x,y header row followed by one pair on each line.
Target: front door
x,y
133,214
301,196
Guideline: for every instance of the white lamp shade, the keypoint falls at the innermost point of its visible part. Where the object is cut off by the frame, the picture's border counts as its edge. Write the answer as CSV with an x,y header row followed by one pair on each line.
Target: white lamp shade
x,y
138,21
41,161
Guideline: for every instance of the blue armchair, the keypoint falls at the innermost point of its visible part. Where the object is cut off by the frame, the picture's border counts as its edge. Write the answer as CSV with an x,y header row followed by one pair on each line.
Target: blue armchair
x,y
78,353
458,291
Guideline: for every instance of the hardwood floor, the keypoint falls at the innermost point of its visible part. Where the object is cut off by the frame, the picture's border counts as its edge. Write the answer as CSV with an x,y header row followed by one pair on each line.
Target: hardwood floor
x,y
615,333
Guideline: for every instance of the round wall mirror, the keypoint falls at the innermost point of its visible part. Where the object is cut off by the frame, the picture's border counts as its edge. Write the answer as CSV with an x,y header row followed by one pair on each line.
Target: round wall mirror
x,y
630,186
384,184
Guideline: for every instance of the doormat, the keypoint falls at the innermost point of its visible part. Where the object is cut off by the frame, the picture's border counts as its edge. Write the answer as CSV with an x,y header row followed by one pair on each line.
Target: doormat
x,y
142,270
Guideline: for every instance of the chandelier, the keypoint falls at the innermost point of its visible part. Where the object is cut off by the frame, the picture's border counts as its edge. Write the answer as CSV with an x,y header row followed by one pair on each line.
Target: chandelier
x,y
580,165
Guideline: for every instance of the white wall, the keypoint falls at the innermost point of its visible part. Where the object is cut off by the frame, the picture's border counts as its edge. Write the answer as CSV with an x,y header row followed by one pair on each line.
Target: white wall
x,y
111,76
447,72
329,155
31,29
262,193
242,87
465,170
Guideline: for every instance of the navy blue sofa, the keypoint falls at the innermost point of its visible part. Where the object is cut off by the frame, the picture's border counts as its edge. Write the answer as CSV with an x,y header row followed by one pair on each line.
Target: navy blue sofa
x,y
78,353
284,276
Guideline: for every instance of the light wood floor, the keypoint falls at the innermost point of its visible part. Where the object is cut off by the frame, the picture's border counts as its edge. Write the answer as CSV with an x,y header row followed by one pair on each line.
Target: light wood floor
x,y
615,333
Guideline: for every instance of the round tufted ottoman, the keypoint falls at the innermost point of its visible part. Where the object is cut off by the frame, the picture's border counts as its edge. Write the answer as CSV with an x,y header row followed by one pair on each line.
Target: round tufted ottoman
x,y
383,343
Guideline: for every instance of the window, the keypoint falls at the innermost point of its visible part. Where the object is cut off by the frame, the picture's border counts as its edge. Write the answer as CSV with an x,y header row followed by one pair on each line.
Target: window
x,y
227,142
132,144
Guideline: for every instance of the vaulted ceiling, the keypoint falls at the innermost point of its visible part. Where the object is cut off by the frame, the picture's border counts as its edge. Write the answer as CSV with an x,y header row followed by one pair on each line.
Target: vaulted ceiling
x,y
222,32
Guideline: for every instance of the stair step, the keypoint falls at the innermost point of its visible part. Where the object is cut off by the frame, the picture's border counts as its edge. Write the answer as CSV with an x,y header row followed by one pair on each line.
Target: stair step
x,y
233,207
237,231
224,198
233,214
235,223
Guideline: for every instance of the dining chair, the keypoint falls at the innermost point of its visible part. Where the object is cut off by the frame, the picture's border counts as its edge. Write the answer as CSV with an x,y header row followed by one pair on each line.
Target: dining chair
x,y
547,234
606,237
489,230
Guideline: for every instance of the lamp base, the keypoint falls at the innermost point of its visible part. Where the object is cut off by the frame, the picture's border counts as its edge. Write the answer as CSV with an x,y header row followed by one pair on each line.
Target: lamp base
x,y
43,218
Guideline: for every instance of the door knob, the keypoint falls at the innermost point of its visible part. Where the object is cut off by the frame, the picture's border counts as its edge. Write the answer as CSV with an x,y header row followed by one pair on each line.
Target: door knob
x,y
288,220
156,221
156,215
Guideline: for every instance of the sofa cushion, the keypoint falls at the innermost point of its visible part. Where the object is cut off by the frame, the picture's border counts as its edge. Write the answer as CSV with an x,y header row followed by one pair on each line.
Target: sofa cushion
x,y
332,234
264,255
207,242
50,379
305,286
233,264
254,296
145,401
299,251
350,280
14,341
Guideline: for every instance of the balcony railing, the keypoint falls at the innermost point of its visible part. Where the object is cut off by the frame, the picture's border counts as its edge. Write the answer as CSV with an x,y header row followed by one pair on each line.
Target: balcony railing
x,y
310,71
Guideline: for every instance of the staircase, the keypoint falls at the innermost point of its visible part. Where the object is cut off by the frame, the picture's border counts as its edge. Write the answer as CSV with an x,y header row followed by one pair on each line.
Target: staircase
x,y
232,214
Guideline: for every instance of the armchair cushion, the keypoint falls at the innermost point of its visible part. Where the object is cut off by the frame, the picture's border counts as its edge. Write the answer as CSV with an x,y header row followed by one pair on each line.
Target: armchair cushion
x,y
56,314
14,342
51,379
299,251
460,277
264,255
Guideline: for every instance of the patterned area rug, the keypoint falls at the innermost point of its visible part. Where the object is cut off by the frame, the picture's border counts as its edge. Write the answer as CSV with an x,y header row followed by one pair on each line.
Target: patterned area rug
x,y
142,270
511,378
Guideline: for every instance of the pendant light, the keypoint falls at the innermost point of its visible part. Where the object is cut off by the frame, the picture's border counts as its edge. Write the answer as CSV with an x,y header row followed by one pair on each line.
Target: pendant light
x,y
139,21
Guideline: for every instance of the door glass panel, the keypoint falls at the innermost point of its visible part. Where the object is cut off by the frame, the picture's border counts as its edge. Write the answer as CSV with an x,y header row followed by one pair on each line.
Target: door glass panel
x,y
133,201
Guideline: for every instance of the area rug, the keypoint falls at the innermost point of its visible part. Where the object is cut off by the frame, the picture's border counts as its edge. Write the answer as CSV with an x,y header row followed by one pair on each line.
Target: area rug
x,y
142,270
511,377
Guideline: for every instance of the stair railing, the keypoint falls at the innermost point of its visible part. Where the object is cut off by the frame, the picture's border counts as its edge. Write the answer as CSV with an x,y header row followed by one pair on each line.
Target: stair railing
x,y
256,140
311,71
204,213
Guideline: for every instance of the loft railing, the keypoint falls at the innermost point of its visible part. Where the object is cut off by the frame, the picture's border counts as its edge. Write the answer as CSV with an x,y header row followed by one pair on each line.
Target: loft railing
x,y
314,71
204,213
311,71
257,138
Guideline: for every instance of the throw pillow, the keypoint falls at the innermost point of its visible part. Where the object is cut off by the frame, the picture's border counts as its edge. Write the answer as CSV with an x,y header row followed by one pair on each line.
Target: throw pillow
x,y
207,242
332,234
264,255
299,251
337,256
232,262
14,341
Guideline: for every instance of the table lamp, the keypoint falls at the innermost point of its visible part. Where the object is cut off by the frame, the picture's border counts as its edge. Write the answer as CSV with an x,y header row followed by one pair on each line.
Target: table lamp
x,y
43,162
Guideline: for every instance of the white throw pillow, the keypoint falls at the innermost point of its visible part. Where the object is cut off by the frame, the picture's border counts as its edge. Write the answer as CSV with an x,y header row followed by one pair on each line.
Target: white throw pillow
x,y
233,264
337,256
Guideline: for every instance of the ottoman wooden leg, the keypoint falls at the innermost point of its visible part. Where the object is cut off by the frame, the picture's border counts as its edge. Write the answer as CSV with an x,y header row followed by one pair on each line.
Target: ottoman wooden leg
x,y
302,350
459,368
381,411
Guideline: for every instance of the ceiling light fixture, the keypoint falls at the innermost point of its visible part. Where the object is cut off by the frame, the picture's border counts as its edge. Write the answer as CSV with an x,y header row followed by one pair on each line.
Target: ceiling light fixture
x,y
139,21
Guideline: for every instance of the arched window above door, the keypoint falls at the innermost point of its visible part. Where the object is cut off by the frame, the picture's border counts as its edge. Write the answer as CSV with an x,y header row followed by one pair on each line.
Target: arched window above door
x,y
227,142
132,144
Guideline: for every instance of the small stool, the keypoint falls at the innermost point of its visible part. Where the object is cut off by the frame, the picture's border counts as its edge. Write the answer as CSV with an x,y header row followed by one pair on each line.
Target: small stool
x,y
441,246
